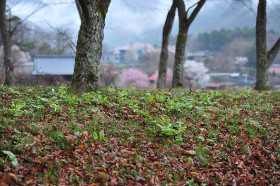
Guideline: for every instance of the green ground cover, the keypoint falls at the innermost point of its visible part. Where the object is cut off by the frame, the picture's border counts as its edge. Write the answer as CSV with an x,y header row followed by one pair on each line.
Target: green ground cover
x,y
130,136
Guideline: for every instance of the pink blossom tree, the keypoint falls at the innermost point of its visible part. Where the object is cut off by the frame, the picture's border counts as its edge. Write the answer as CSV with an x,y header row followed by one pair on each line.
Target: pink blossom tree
x,y
136,77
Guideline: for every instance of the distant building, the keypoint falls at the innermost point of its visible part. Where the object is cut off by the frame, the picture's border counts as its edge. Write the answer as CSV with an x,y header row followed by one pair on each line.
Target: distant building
x,y
123,57
222,80
274,69
199,54
153,78
64,64
214,86
54,68
60,68
130,54
111,58
144,47
54,65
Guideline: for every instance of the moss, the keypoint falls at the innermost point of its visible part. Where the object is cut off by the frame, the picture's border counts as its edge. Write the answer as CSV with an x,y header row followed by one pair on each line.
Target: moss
x,y
101,8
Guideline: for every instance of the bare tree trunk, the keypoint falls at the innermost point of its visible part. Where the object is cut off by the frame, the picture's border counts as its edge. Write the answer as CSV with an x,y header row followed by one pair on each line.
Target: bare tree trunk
x,y
8,62
178,70
89,44
161,82
262,62
264,58
184,24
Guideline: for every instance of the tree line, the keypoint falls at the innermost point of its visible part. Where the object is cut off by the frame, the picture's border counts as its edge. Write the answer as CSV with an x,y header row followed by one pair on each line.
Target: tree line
x,y
217,39
91,34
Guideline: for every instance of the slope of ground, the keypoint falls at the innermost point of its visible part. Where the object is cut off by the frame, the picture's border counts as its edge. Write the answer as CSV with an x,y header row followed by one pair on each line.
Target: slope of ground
x,y
129,136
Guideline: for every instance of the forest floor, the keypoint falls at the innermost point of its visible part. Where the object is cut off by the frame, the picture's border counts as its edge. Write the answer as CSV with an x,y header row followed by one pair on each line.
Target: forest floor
x,y
50,135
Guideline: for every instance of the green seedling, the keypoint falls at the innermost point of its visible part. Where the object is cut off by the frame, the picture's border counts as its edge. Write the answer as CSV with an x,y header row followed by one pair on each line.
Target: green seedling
x,y
12,157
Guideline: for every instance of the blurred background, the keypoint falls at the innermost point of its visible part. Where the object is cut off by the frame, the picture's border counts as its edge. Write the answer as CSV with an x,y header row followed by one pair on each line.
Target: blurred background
x,y
220,51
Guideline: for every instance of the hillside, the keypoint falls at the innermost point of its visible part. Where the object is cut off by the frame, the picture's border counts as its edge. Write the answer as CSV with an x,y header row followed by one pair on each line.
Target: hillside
x,y
50,135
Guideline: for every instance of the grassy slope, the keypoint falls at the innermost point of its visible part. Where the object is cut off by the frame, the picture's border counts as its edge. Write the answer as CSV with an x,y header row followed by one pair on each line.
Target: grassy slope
x,y
150,137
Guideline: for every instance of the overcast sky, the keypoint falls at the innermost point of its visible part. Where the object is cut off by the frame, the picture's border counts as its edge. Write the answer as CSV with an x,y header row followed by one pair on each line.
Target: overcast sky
x,y
125,19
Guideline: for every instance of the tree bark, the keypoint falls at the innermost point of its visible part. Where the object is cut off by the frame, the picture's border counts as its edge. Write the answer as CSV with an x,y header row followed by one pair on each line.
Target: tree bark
x,y
178,70
161,82
8,62
184,24
89,44
264,57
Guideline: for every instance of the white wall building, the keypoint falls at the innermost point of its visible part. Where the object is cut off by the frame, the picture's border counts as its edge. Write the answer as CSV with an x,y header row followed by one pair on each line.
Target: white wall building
x,y
53,65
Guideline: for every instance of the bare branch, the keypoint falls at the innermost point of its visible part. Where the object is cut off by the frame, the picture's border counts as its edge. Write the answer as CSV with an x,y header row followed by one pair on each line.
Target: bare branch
x,y
11,32
196,11
248,6
274,51
72,44
190,8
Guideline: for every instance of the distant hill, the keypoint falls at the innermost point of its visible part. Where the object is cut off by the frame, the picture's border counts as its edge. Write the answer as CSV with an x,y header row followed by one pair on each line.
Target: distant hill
x,y
215,16
231,15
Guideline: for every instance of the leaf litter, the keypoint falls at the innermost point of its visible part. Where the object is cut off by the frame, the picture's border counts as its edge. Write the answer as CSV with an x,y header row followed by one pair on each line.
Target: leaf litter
x,y
144,137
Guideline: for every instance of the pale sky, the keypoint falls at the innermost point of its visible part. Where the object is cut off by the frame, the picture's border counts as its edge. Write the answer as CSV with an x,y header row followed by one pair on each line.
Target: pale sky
x,y
123,17
125,21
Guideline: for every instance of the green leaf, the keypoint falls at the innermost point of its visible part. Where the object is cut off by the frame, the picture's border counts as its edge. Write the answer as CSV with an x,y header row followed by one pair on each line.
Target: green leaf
x,y
210,140
171,102
150,99
189,160
201,138
44,100
12,157
131,138
79,180
38,106
101,135
77,133
95,136
190,182
2,161
178,139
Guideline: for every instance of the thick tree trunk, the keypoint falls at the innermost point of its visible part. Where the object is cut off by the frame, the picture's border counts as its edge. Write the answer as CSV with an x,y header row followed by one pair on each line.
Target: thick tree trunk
x,y
8,62
264,58
184,24
262,61
262,82
161,82
89,44
178,70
